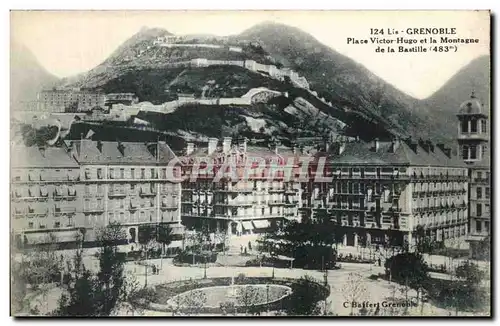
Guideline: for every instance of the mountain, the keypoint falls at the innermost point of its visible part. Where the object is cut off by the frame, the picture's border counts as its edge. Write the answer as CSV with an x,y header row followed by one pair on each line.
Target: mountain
x,y
367,105
27,76
445,102
338,78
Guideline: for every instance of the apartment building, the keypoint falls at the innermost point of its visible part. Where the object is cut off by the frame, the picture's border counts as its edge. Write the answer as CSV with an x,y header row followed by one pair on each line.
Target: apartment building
x,y
385,190
231,201
74,190
473,148
69,100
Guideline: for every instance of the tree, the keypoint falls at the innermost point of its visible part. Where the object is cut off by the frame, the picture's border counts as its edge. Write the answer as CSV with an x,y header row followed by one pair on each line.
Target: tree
x,y
96,295
248,296
408,268
354,289
164,236
304,298
147,237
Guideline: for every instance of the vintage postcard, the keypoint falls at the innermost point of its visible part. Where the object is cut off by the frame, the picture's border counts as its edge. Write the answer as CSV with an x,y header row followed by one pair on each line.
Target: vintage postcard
x,y
250,163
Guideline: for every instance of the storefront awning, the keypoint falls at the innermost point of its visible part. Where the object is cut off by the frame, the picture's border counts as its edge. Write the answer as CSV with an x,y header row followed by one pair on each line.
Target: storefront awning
x,y
261,224
247,225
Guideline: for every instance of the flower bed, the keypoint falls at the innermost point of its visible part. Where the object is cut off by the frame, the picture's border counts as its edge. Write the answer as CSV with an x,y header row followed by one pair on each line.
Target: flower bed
x,y
161,294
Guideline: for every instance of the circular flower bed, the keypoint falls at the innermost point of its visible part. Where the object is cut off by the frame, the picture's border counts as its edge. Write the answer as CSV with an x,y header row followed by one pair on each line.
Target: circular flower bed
x,y
220,295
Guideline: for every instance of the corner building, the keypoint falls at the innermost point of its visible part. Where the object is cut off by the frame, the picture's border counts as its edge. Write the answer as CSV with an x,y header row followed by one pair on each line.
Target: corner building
x,y
383,190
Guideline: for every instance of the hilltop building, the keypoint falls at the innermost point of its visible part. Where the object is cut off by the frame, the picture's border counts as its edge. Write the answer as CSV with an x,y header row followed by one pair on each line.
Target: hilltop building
x,y
69,100
474,150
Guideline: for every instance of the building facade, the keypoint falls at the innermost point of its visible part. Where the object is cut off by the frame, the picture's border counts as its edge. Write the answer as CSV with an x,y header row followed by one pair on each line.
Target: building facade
x,y
230,201
384,191
86,185
474,150
69,100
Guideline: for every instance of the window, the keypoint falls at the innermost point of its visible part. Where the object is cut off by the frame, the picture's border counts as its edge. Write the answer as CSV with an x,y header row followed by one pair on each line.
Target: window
x,y
122,173
99,173
479,175
483,150
465,152
111,173
478,226
473,126
87,189
30,225
132,173
473,153
483,126
57,224
465,126
487,226
487,192
143,173
479,209
153,175
479,192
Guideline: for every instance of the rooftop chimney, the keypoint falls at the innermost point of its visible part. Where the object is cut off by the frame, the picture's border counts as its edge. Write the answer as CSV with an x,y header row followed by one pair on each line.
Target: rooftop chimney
x,y
189,148
395,145
376,145
226,144
212,145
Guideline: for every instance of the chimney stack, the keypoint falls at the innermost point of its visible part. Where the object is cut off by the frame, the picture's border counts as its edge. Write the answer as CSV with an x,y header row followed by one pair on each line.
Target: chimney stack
x,y
212,145
395,145
376,145
189,148
226,145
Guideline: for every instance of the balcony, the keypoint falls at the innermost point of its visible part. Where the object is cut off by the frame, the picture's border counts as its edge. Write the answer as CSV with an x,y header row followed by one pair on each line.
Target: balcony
x,y
117,194
30,198
93,210
291,191
482,180
164,206
275,190
61,196
147,194
64,211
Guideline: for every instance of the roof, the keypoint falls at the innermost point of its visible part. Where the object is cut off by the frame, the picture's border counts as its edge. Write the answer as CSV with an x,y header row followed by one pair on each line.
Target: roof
x,y
363,153
35,157
88,152
471,106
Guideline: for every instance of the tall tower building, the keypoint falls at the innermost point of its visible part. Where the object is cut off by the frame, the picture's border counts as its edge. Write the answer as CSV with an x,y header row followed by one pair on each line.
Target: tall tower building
x,y
473,148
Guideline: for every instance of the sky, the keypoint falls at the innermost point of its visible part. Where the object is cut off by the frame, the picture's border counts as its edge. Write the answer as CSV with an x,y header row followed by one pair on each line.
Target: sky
x,y
70,42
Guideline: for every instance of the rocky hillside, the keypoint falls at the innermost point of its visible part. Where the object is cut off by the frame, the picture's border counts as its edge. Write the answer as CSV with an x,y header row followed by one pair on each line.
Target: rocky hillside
x,y
338,78
365,105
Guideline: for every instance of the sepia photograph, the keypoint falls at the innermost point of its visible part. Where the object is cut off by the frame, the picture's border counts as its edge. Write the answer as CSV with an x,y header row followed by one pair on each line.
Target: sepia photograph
x,y
250,163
